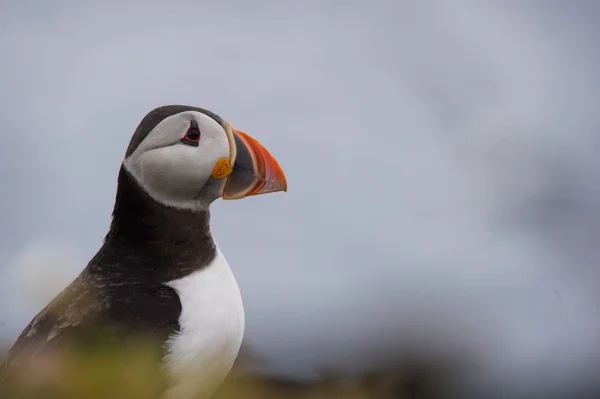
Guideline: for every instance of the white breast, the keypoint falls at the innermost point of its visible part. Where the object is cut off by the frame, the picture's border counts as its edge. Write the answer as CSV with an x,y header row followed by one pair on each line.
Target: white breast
x,y
211,330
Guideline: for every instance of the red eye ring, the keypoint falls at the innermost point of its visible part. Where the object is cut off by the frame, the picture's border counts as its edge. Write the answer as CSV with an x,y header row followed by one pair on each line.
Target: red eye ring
x,y
192,136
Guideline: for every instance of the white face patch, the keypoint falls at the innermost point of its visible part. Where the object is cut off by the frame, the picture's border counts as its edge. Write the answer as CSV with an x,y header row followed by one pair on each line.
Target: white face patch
x,y
176,174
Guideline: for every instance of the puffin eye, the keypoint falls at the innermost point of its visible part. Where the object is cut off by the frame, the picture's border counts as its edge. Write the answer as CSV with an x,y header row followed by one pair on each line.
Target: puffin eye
x,y
192,136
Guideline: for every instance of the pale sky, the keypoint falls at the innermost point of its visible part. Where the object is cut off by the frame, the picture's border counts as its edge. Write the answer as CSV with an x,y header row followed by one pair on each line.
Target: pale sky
x,y
441,157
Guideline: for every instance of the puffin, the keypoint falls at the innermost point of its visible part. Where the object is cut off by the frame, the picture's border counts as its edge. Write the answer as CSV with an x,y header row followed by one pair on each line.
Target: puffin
x,y
159,273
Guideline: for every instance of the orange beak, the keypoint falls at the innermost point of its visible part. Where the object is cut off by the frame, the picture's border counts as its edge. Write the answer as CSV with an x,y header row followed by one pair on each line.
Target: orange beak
x,y
255,170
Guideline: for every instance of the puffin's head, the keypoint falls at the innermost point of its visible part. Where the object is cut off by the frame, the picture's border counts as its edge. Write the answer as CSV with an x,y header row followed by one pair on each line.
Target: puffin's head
x,y
187,157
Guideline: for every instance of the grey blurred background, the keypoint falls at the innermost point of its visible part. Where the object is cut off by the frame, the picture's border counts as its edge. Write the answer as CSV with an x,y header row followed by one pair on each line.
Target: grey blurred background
x,y
442,160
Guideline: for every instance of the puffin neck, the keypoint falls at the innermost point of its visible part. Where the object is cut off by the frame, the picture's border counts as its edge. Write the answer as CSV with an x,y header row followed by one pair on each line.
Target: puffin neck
x,y
156,233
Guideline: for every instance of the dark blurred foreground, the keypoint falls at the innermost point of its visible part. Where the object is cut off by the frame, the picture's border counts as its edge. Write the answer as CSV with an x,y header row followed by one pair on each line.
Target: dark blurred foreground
x,y
130,372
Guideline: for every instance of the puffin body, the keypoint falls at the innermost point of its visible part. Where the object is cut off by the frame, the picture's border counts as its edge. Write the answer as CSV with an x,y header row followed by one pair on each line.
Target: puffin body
x,y
159,273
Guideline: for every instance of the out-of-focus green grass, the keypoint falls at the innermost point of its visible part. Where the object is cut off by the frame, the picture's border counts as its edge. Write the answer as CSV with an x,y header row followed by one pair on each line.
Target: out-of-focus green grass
x,y
130,371
126,371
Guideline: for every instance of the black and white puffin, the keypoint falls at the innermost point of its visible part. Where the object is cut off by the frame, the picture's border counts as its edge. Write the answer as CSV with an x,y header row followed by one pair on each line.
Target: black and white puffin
x,y
159,271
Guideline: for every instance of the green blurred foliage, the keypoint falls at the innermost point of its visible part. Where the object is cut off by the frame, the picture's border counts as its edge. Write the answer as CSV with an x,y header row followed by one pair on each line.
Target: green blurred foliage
x,y
130,371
